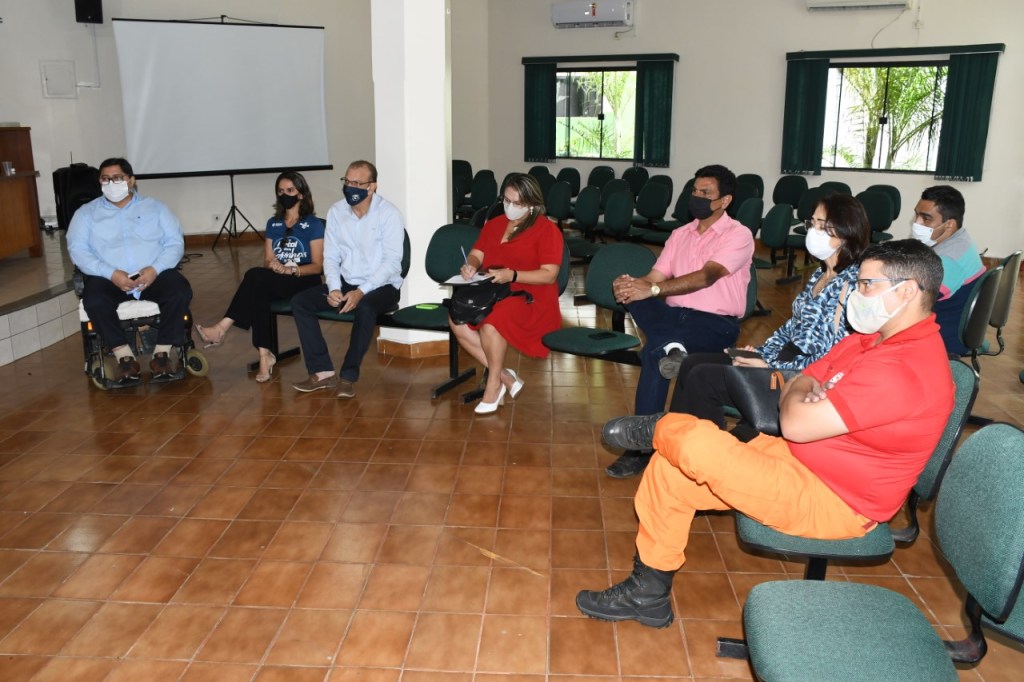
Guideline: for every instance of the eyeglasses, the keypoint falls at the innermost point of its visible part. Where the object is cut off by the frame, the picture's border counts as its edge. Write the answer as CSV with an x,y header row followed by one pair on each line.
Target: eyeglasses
x,y
864,284
355,183
107,179
823,225
509,202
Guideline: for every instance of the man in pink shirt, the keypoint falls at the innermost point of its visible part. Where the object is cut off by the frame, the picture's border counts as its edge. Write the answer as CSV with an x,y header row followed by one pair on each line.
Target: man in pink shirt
x,y
694,297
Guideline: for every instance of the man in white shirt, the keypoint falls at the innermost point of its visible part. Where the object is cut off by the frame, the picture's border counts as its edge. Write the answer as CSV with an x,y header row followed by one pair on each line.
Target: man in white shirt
x,y
363,249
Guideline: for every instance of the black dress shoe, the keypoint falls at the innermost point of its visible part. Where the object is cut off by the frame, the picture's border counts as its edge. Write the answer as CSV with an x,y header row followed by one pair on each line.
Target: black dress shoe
x,y
128,370
631,463
631,433
645,596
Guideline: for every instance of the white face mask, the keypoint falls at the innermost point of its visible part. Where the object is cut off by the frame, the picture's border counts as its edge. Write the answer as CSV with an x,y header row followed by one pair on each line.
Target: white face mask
x,y
516,211
819,244
115,191
922,233
867,314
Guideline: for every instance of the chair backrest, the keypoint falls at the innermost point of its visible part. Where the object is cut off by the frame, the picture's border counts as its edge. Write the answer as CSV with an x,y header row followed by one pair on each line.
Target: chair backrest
x,y
978,516
878,207
965,381
462,169
482,215
460,188
599,176
752,179
751,291
893,193
789,189
977,309
572,176
1007,286
588,208
652,202
775,226
538,171
744,191
545,182
444,251
407,254
484,191
564,270
610,262
681,212
558,201
808,202
836,186
664,180
618,214
750,214
637,177
611,187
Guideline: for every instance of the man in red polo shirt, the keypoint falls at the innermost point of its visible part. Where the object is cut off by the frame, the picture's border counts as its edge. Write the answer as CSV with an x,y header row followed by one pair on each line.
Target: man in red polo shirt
x,y
858,427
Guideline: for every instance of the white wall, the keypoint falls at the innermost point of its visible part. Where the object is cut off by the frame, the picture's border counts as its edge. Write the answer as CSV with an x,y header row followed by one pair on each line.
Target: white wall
x,y
729,88
730,85
91,127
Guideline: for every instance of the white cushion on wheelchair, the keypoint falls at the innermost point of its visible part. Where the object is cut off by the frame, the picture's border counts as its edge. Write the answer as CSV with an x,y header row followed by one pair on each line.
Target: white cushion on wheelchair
x,y
129,310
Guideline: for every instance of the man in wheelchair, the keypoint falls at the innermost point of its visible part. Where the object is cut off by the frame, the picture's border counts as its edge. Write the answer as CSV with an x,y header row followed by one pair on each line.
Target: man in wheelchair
x,y
128,246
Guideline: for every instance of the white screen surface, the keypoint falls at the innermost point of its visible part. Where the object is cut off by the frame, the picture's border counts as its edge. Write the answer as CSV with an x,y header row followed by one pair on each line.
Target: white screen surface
x,y
205,98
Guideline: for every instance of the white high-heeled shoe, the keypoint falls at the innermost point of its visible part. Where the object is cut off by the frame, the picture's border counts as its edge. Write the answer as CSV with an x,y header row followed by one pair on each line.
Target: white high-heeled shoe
x,y
517,384
488,408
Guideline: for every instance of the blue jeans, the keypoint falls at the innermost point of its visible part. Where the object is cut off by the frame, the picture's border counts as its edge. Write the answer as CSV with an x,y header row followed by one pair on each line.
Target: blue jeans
x,y
305,306
947,315
662,324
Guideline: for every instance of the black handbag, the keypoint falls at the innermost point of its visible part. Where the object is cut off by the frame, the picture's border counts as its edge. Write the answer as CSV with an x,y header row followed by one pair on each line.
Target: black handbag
x,y
755,393
472,303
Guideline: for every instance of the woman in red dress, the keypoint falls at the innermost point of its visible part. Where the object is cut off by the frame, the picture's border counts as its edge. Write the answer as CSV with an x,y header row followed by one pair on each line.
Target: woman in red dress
x,y
525,248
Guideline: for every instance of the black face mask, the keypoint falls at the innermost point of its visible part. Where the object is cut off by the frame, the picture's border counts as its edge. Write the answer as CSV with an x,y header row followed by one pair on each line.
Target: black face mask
x,y
287,200
700,207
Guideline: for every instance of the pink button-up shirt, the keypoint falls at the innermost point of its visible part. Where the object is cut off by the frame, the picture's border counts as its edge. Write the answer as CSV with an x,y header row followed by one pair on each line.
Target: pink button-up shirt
x,y
728,243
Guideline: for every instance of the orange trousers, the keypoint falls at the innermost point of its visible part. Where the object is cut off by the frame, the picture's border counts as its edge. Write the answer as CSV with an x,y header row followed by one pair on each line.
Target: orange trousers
x,y
697,466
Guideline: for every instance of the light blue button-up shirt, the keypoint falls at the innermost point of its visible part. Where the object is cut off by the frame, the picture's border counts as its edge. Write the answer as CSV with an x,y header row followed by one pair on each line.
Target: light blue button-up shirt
x,y
103,238
366,252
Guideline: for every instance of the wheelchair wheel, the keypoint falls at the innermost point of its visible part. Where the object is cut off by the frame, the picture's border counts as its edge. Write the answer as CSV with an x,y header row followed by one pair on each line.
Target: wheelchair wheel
x,y
94,373
196,363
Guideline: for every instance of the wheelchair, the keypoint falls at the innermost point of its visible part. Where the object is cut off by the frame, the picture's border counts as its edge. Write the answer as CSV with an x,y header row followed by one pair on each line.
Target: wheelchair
x,y
140,321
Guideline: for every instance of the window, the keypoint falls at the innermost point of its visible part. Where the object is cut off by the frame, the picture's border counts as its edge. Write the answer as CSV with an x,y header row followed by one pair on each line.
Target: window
x,y
595,113
884,117
622,110
928,115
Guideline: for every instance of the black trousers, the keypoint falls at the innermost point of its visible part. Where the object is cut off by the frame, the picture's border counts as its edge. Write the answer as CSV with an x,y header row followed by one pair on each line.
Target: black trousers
x,y
170,290
701,391
250,306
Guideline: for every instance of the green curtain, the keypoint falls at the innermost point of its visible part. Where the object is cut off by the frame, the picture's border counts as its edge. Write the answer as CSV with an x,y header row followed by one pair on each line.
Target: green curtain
x,y
965,116
539,113
803,126
653,113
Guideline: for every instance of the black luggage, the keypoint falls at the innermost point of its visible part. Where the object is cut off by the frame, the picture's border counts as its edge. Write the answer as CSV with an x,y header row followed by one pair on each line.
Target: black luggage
x,y
74,186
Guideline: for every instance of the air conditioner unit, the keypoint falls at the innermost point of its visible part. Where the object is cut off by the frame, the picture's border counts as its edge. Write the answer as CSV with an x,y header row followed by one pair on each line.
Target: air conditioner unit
x,y
583,14
827,5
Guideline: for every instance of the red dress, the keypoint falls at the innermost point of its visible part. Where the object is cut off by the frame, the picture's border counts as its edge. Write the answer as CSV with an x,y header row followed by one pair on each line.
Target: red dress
x,y
523,324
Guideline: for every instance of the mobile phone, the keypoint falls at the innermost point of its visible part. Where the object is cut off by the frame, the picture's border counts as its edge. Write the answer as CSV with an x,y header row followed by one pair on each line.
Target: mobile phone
x,y
134,276
740,353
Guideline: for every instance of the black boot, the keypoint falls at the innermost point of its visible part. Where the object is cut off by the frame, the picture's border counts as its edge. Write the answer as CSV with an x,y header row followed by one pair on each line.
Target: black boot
x,y
645,596
630,463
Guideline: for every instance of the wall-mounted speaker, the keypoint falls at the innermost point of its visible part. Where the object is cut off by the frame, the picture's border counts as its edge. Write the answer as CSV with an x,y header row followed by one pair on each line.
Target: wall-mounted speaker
x,y
89,11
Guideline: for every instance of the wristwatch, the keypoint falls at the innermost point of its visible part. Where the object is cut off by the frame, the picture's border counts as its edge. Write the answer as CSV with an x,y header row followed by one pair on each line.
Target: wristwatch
x,y
295,270
655,290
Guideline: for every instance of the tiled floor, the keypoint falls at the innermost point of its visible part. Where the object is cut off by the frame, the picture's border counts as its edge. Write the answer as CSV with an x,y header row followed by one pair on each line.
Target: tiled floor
x,y
216,529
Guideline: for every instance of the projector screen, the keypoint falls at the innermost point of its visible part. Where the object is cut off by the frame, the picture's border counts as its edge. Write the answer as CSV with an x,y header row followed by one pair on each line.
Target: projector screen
x,y
215,99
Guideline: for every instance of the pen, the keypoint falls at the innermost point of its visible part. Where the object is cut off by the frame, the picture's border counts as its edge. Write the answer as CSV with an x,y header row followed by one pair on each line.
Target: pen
x,y
464,256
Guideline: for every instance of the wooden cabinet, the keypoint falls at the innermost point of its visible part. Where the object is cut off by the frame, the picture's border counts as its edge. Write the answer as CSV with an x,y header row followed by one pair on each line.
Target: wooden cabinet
x,y
19,201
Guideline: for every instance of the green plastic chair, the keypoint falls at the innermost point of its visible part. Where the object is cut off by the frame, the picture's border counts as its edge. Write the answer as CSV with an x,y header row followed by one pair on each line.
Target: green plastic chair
x,y
636,177
1004,297
788,190
681,211
754,180
834,186
651,204
775,235
807,630
744,191
607,344
611,187
878,207
893,193
572,176
558,202
600,176
482,193
664,180
618,215
976,313
586,215
538,171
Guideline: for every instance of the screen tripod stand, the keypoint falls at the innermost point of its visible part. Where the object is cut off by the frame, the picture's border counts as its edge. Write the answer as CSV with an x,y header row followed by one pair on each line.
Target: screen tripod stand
x,y
229,227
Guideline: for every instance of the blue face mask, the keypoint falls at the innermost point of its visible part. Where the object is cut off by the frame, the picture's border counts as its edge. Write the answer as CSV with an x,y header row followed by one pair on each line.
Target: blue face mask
x,y
355,195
